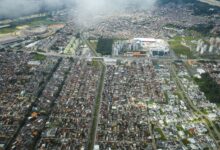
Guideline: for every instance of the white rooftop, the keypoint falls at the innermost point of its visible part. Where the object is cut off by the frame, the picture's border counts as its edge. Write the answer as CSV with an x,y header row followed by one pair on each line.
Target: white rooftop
x,y
200,71
146,39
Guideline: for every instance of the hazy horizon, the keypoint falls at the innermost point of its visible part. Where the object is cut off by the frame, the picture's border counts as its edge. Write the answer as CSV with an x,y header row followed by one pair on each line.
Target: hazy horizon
x,y
85,9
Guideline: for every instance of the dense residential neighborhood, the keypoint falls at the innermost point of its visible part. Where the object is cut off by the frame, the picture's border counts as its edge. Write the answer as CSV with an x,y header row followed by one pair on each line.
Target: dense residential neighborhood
x,y
132,79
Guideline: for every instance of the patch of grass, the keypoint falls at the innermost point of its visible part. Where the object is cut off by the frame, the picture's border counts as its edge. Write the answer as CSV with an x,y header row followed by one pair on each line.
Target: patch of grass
x,y
162,112
150,102
92,133
96,64
179,49
177,93
163,137
93,43
185,141
31,22
188,133
39,57
204,111
7,30
166,96
40,21
34,22
179,128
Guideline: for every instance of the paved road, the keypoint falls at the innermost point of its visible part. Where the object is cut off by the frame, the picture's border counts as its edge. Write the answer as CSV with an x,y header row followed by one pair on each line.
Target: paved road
x,y
93,132
122,57
96,112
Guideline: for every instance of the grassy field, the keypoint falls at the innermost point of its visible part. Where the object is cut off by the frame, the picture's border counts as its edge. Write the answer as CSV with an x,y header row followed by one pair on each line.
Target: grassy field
x,y
31,23
180,49
96,110
185,45
94,43
7,30
39,57
40,21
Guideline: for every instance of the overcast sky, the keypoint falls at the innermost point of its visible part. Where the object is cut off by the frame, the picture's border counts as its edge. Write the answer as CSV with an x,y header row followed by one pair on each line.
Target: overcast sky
x,y
86,8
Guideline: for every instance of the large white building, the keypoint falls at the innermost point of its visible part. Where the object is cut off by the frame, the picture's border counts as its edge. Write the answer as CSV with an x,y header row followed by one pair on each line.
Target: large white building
x,y
149,46
156,47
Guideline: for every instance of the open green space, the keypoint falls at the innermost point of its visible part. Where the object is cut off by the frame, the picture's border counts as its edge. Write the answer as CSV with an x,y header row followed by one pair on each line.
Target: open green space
x,y
180,49
40,21
185,44
179,128
166,96
7,30
178,93
39,57
30,22
93,43
73,45
210,87
96,110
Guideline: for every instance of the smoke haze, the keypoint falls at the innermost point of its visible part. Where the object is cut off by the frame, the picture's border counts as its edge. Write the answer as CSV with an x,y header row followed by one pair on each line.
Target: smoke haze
x,y
88,10
16,8
85,8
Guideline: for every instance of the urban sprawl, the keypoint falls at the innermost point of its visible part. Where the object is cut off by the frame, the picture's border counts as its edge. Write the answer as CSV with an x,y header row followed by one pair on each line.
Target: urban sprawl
x,y
58,92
